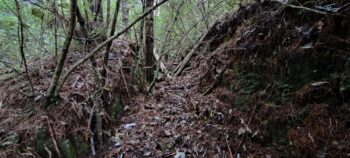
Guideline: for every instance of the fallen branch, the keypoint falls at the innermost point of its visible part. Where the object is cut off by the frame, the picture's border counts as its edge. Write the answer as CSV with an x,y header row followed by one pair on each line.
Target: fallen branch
x,y
94,51
182,65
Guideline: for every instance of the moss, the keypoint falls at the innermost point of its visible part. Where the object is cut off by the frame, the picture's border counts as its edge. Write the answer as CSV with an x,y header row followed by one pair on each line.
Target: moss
x,y
118,107
42,141
68,150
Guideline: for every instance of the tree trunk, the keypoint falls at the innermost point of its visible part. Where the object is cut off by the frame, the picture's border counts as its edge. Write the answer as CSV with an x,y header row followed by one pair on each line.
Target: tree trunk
x,y
148,45
98,11
108,12
86,15
21,44
109,44
58,71
125,14
82,24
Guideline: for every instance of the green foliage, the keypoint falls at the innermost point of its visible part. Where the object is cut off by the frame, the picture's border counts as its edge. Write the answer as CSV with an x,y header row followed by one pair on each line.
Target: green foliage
x,y
38,13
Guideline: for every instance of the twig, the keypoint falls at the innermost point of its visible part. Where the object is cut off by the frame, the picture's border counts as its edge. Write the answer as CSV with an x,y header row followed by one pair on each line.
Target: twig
x,y
25,94
53,137
48,151
92,145
9,66
244,135
229,149
90,134
90,120
303,8
126,85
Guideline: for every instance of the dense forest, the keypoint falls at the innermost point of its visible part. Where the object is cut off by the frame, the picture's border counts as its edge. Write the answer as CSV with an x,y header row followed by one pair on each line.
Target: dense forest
x,y
174,78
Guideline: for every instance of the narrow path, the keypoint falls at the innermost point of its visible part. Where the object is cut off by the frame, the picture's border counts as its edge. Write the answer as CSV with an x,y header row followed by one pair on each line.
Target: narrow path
x,y
174,121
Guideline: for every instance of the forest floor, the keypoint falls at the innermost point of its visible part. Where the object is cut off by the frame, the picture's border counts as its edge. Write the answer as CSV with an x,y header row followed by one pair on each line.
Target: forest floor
x,y
263,84
177,120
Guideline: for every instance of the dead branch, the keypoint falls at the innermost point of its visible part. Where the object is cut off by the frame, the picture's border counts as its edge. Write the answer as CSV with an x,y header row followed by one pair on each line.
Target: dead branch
x,y
229,149
124,81
52,135
182,65
48,151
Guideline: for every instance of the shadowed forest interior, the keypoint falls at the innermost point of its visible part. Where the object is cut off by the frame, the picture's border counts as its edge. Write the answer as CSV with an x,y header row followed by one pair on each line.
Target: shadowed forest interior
x,y
174,78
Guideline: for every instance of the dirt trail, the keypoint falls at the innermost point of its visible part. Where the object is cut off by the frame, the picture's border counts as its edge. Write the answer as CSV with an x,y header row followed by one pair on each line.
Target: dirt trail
x,y
170,122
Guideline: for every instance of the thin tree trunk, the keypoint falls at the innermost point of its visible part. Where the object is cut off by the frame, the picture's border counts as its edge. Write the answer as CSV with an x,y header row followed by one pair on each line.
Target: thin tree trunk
x,y
108,12
98,11
86,15
148,45
21,44
55,32
141,28
109,44
58,71
82,24
125,14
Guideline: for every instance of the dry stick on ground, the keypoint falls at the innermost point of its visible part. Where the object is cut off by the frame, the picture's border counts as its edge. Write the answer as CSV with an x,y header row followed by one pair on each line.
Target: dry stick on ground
x,y
109,44
48,151
94,51
244,135
52,135
90,134
21,44
229,149
59,67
